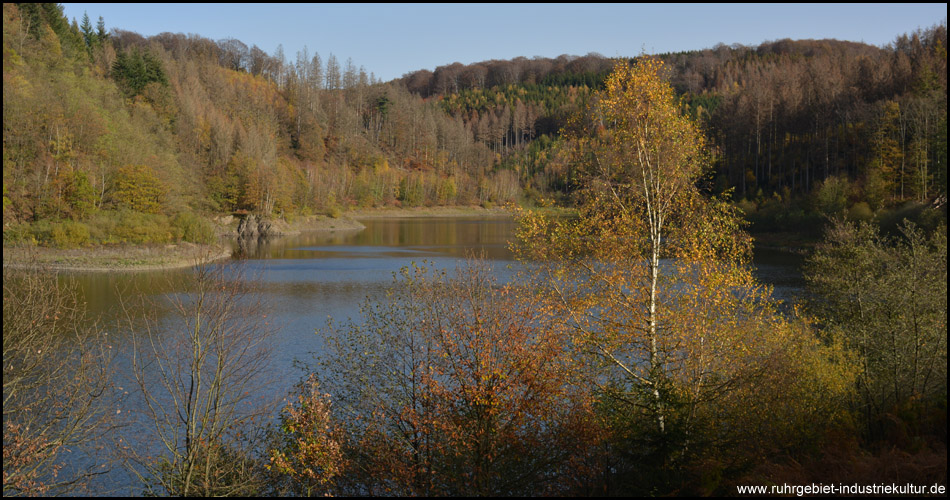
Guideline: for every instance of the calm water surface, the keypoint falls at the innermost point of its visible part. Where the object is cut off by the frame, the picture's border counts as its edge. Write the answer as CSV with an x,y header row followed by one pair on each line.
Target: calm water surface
x,y
313,276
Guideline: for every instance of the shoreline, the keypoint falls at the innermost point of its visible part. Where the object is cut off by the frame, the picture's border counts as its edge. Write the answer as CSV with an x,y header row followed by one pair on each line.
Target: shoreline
x,y
312,223
158,257
784,241
114,258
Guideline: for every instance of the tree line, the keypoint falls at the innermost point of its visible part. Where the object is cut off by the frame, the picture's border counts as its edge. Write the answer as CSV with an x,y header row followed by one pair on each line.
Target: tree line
x,y
784,117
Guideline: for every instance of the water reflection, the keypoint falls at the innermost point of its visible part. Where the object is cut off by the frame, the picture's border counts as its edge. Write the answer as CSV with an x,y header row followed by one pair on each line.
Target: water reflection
x,y
394,237
782,270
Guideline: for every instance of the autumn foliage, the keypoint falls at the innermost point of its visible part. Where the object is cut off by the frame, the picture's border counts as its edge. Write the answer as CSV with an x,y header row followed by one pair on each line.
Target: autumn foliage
x,y
653,280
457,385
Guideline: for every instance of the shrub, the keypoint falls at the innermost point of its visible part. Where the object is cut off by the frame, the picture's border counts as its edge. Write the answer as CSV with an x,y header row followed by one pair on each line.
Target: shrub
x,y
888,295
747,206
190,227
61,234
126,226
139,228
18,233
832,196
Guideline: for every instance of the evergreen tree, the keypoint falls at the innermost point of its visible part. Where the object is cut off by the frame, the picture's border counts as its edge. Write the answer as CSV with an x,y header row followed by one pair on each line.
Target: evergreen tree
x,y
88,35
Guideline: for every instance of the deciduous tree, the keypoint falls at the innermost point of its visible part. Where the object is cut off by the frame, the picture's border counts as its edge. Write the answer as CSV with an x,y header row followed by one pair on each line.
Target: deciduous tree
x,y
199,376
56,385
888,295
455,385
654,281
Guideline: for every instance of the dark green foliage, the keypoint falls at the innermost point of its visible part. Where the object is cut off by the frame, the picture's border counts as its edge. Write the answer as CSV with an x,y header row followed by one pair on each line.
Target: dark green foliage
x,y
593,80
704,105
45,14
86,29
101,34
135,69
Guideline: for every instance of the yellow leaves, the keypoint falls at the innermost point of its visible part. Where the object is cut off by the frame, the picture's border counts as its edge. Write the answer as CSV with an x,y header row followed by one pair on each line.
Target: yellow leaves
x,y
311,450
652,277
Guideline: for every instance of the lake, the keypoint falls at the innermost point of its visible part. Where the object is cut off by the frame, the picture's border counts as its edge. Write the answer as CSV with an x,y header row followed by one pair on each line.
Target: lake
x,y
312,276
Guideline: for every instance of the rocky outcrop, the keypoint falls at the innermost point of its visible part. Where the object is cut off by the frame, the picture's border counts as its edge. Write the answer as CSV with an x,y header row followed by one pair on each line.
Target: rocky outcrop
x,y
253,227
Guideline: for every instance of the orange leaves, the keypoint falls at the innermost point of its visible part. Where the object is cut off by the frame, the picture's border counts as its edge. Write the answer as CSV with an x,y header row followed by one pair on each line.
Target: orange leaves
x,y
466,383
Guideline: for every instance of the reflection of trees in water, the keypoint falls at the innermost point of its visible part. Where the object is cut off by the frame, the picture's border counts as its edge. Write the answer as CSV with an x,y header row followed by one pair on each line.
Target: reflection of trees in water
x,y
252,247
454,237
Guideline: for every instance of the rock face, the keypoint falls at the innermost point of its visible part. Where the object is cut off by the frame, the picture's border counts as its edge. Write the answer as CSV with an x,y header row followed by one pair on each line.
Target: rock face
x,y
253,234
253,227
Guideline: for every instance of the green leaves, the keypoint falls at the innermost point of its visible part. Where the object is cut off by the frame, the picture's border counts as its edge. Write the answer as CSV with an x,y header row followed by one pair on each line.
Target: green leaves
x,y
135,69
888,296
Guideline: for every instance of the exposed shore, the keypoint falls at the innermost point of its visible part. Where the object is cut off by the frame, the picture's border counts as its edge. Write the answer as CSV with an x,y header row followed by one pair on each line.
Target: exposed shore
x,y
182,255
114,258
227,226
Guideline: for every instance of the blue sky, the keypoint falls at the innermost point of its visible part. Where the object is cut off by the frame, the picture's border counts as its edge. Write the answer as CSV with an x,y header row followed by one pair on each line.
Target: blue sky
x,y
393,39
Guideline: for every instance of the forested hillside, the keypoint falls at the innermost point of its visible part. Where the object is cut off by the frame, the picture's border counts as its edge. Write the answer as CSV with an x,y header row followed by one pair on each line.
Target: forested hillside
x,y
848,124
100,127
105,130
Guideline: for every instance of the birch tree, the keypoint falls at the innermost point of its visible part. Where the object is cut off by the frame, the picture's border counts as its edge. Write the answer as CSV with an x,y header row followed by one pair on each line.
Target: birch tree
x,y
654,279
